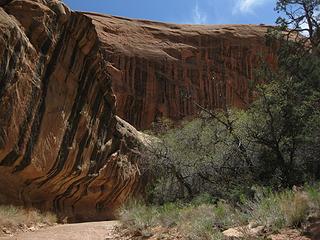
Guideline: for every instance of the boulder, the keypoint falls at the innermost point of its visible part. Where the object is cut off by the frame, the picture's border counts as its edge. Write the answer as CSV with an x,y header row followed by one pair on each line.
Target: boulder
x,y
244,231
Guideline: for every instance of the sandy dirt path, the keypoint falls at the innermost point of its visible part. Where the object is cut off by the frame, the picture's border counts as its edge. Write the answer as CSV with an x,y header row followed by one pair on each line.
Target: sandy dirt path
x,y
79,231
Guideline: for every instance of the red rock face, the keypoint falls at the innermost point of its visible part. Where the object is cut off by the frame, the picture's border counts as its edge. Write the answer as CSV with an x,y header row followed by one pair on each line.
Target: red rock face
x,y
61,146
160,70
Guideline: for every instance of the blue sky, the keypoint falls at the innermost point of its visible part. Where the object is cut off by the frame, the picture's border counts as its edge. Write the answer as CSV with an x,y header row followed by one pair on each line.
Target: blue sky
x,y
184,11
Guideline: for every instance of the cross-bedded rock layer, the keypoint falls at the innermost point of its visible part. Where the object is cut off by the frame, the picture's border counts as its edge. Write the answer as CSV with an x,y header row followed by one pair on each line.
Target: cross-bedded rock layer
x,y
61,146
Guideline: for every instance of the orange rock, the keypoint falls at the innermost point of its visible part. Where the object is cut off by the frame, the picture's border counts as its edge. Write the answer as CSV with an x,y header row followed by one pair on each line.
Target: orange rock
x,y
62,148
164,68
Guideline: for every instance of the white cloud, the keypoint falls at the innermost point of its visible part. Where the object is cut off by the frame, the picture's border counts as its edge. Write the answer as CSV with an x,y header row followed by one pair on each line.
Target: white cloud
x,y
199,17
247,6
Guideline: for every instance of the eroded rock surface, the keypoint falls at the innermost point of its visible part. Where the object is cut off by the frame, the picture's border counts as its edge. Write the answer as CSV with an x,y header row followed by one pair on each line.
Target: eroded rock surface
x,y
61,146
160,70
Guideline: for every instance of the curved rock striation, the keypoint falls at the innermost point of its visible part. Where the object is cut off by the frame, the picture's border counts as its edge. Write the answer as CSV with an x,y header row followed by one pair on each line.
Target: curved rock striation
x,y
61,146
160,69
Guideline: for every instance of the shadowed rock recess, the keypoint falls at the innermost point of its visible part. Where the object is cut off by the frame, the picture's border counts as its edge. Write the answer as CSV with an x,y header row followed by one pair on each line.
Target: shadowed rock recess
x,y
62,147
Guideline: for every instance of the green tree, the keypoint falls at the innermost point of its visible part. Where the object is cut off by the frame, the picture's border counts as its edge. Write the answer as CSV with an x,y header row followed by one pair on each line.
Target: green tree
x,y
275,142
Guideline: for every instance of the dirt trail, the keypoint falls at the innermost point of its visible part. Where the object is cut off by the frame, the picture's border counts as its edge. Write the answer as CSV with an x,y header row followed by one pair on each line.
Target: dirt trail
x,y
79,231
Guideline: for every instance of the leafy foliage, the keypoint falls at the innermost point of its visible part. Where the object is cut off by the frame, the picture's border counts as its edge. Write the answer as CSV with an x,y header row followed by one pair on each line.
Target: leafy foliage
x,y
275,142
227,166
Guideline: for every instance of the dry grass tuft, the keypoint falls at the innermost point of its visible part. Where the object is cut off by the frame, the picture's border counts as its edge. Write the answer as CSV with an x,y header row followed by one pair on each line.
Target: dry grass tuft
x,y
206,220
13,219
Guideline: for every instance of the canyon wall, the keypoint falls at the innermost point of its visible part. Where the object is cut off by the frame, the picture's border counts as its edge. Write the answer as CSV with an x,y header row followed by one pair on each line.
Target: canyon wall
x,y
64,76
62,148
161,70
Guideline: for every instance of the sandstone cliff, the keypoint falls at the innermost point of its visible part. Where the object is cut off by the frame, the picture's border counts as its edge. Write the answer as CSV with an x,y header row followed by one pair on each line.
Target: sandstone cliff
x,y
63,77
61,146
160,69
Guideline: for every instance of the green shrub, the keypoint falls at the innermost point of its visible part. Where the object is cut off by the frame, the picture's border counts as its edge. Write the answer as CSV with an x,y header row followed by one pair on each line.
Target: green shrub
x,y
136,216
204,198
278,210
294,207
203,219
228,216
195,220
313,192
265,210
169,214
198,222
